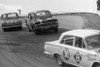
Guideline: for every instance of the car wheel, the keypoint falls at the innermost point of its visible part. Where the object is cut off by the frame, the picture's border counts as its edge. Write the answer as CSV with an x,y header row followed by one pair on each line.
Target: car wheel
x,y
29,16
4,30
55,30
30,30
36,32
98,65
59,60
20,27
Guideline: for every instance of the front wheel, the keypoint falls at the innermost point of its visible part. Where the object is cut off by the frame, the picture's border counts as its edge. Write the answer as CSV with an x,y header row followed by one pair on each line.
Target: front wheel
x,y
59,60
36,32
55,30
20,27
98,65
4,30
30,29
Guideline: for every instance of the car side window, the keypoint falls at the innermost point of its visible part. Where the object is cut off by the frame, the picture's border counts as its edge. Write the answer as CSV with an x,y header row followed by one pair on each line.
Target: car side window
x,y
67,40
12,15
3,16
79,42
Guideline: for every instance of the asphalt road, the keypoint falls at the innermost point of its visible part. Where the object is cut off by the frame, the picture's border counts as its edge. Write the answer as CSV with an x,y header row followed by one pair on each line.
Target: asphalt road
x,y
20,48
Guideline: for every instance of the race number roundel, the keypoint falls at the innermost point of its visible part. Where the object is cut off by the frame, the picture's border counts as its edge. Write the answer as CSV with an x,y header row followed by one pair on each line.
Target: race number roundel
x,y
66,54
77,57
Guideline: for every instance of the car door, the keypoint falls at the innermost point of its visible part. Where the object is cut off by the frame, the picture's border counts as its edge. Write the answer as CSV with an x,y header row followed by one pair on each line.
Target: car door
x,y
79,53
67,45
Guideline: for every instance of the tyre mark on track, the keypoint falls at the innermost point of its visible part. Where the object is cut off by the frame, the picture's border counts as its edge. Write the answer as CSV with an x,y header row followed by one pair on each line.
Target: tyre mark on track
x,y
40,59
4,60
29,64
30,60
8,61
2,64
32,56
22,57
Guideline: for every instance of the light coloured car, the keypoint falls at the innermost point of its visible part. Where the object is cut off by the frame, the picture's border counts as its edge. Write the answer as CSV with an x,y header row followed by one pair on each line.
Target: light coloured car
x,y
79,47
11,20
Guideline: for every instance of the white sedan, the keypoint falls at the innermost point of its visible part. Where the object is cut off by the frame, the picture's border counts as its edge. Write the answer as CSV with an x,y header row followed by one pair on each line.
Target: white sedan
x,y
77,47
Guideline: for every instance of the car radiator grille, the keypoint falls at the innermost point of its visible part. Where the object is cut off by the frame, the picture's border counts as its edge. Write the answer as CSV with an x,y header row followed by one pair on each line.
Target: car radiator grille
x,y
45,24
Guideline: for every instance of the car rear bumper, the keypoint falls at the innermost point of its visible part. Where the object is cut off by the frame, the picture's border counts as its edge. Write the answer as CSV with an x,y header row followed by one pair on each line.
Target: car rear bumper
x,y
11,26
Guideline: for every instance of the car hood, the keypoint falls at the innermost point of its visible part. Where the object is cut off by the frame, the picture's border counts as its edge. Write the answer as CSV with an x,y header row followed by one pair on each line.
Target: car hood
x,y
11,20
52,42
43,19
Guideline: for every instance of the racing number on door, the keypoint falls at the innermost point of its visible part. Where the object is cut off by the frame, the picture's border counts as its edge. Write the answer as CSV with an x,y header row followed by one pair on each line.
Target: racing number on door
x,y
66,54
77,57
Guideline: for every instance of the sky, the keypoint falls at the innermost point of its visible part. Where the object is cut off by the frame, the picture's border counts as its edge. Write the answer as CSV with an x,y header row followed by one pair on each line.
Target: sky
x,y
53,5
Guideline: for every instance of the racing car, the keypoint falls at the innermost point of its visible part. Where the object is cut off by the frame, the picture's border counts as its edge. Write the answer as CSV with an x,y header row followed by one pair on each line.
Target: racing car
x,y
41,20
11,20
79,47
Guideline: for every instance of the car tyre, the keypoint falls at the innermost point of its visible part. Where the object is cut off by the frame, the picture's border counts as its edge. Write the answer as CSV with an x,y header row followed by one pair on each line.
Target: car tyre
x,y
36,32
55,30
20,27
59,60
98,65
4,30
30,30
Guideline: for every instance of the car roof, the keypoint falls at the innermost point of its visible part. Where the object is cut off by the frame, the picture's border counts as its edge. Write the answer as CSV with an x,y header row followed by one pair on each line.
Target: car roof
x,y
43,11
82,32
31,12
38,11
9,13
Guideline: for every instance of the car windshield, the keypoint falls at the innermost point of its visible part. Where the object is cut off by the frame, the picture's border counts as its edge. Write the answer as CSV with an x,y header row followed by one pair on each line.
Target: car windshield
x,y
10,16
42,14
93,42
13,15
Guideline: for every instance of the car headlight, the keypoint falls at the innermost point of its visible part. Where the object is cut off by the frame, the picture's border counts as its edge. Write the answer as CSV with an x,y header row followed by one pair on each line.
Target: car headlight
x,y
7,21
39,20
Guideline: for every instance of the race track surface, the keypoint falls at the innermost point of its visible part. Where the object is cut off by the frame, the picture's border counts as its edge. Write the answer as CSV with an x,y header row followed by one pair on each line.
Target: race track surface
x,y
20,48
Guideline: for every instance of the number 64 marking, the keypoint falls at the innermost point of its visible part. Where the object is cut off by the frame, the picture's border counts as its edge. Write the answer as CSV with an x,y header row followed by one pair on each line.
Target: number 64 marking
x,y
66,54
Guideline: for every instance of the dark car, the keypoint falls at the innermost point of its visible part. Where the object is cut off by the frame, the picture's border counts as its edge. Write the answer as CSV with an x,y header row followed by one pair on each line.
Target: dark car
x,y
41,20
11,20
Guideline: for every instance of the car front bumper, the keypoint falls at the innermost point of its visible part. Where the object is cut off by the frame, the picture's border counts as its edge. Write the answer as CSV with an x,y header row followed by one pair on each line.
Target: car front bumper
x,y
11,26
48,54
46,27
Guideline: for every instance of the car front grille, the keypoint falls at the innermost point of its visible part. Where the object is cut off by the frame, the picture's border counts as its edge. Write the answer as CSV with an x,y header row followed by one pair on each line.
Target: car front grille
x,y
46,24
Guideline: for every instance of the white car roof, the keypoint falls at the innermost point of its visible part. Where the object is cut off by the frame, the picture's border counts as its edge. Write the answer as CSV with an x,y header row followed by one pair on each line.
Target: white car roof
x,y
82,32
